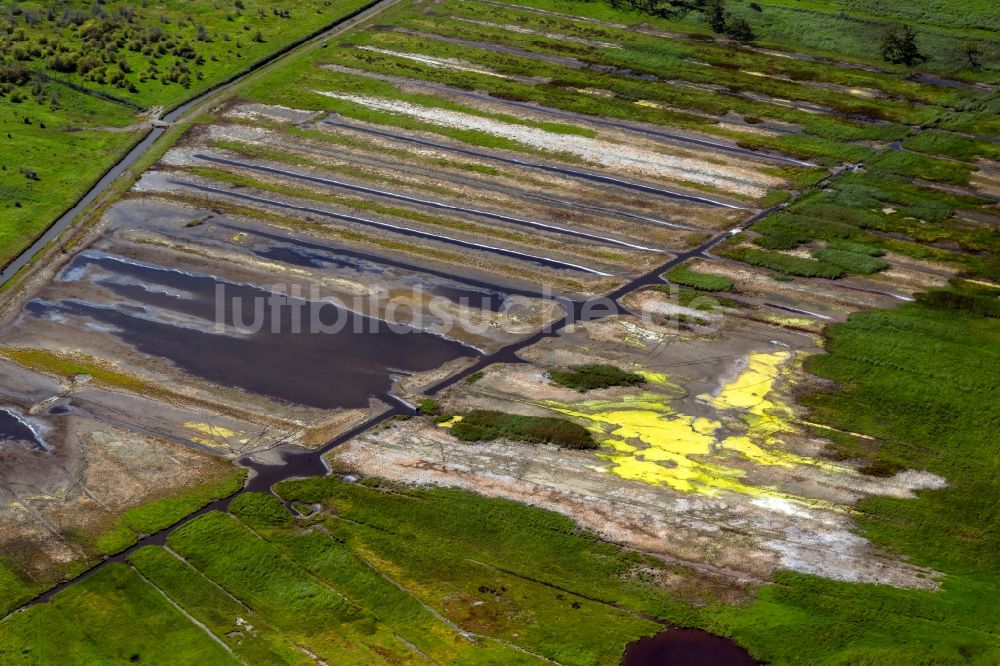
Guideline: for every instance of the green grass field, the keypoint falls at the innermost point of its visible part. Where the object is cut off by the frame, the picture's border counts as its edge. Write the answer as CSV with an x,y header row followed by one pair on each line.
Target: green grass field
x,y
849,31
77,128
53,150
122,612
481,582
117,533
920,380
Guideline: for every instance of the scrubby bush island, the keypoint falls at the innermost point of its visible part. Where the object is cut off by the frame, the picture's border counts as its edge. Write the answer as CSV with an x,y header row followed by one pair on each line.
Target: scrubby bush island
x,y
482,425
852,262
428,406
595,376
785,263
701,281
857,248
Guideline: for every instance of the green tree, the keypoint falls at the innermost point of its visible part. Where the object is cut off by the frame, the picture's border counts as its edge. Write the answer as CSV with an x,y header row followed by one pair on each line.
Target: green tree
x,y
715,15
973,55
739,29
900,47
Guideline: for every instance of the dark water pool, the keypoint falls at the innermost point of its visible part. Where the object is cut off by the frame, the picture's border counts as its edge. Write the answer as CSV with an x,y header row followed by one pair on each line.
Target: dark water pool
x,y
310,353
13,429
483,299
686,647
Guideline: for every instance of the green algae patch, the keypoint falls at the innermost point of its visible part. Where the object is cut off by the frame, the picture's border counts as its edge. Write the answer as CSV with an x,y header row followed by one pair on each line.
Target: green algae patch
x,y
71,365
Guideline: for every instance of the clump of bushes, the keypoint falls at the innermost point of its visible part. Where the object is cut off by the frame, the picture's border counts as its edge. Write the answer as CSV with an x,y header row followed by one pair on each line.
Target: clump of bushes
x,y
914,165
786,231
692,298
701,281
857,248
483,425
852,262
428,406
969,301
953,145
900,47
595,376
785,263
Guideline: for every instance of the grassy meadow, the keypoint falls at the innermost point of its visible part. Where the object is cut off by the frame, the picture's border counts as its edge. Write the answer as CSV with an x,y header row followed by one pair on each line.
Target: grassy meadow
x,y
78,78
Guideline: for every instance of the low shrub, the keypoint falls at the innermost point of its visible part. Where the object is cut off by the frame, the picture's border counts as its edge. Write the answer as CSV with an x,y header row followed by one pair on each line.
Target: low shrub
x,y
701,281
784,263
428,406
482,425
779,240
915,165
952,145
852,262
594,376
986,305
857,248
786,231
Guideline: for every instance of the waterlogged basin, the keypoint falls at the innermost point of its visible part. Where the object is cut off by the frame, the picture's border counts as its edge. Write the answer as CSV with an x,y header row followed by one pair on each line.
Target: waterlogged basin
x,y
686,647
310,353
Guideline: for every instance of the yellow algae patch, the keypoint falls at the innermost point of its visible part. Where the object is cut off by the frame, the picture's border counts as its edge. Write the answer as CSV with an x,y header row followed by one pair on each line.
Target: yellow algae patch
x,y
450,422
211,443
791,322
215,435
745,446
209,429
846,432
693,477
669,441
764,418
982,283
654,377
704,426
647,440
750,387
